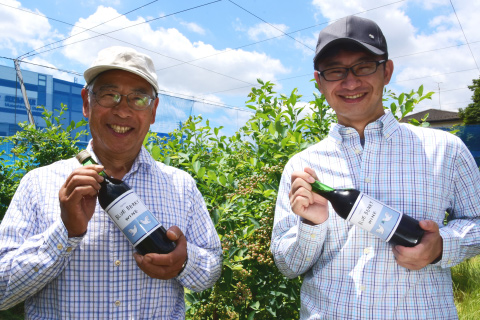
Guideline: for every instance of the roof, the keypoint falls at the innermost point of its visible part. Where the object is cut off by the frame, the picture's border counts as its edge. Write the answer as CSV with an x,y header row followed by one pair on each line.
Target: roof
x,y
434,115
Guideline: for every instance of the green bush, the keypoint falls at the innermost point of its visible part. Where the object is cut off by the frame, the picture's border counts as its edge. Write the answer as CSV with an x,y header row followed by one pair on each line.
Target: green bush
x,y
238,177
33,147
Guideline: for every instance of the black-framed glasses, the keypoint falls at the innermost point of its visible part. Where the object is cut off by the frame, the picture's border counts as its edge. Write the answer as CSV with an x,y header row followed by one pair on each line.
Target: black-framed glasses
x,y
360,69
110,98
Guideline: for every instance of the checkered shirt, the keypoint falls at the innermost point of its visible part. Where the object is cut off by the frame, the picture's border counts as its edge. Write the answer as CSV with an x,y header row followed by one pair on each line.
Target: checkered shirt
x,y
351,274
96,276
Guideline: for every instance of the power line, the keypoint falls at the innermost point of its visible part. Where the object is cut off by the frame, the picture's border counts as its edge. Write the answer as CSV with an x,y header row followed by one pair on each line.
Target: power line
x,y
193,98
85,30
134,25
268,39
434,75
44,66
271,25
433,50
464,35
166,92
137,46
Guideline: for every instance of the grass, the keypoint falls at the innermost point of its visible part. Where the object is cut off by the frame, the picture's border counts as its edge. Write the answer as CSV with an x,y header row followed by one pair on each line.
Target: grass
x,y
466,290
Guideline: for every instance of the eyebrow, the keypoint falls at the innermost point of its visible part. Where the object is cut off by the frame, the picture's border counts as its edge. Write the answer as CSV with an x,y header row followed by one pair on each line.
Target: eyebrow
x,y
112,86
334,63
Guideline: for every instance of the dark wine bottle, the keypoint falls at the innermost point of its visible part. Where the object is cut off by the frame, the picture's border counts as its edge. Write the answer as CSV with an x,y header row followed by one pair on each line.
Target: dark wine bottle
x,y
372,215
130,214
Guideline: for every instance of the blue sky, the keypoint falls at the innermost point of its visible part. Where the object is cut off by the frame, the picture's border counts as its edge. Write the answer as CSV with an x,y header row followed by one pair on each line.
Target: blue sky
x,y
215,53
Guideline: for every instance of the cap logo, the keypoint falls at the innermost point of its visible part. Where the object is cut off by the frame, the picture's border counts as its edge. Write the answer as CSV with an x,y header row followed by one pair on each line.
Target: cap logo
x,y
371,36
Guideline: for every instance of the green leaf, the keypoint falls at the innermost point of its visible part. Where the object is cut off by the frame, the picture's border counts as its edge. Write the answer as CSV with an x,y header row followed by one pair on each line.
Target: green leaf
x,y
196,166
201,172
156,152
222,180
420,90
268,193
212,175
271,128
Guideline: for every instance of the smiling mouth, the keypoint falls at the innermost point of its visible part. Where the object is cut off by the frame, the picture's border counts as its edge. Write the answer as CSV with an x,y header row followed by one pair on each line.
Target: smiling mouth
x,y
119,129
355,96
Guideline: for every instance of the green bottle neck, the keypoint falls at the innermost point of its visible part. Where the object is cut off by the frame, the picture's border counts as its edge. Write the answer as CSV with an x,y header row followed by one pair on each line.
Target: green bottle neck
x,y
317,186
88,161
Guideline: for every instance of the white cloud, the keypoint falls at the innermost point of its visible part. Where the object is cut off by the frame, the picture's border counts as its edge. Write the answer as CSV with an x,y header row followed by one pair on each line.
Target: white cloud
x,y
192,26
419,54
265,30
169,49
23,29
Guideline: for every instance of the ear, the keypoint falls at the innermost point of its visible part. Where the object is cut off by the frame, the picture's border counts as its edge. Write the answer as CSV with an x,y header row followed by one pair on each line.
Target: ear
x,y
154,111
388,72
319,82
86,106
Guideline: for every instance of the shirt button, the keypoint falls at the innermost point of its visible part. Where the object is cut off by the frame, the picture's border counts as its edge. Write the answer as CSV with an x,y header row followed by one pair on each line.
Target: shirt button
x,y
366,250
368,180
117,263
358,151
69,249
312,236
362,288
308,259
117,303
59,246
450,261
35,269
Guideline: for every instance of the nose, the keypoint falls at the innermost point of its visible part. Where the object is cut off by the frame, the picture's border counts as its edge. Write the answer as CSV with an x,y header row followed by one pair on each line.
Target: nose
x,y
122,109
351,81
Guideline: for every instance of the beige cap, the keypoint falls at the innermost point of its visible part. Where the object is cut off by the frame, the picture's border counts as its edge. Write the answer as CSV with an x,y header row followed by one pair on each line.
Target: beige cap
x,y
123,58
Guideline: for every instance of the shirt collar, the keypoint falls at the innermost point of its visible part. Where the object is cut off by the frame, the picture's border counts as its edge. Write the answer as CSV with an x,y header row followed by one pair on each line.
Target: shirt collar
x,y
386,123
142,160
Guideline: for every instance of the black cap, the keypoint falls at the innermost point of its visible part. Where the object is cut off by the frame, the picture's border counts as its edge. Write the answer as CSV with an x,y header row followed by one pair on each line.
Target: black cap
x,y
352,29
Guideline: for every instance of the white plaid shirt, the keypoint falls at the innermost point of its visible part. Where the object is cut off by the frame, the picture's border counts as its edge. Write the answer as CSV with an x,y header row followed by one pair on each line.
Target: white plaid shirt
x,y
95,276
351,274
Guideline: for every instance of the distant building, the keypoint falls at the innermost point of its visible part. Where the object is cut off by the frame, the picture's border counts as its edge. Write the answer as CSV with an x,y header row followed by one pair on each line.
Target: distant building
x,y
436,118
444,120
42,90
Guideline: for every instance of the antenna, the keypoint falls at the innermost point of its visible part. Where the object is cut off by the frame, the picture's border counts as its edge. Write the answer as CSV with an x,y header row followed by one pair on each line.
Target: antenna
x,y
439,103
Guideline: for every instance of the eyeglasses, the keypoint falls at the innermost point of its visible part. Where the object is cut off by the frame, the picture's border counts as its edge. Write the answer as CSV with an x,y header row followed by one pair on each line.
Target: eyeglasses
x,y
360,69
111,98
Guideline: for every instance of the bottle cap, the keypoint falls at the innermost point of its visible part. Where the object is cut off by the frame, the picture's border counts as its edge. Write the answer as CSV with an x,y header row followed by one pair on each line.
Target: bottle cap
x,y
82,156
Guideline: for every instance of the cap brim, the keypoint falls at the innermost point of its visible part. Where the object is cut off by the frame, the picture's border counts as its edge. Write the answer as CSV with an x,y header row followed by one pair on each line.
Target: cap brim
x,y
93,72
335,42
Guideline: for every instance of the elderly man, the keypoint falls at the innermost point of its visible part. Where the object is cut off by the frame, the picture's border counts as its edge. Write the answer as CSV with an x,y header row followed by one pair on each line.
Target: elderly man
x,y
348,272
62,253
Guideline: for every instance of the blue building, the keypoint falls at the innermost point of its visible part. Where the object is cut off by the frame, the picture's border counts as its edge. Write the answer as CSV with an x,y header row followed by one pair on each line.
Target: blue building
x,y
42,90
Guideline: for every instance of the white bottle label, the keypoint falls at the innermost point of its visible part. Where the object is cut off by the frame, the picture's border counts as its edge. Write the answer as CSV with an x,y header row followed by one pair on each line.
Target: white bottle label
x,y
132,217
375,217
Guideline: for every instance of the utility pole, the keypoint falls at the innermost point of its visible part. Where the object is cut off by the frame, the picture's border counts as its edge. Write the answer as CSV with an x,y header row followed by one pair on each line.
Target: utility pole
x,y
24,93
439,103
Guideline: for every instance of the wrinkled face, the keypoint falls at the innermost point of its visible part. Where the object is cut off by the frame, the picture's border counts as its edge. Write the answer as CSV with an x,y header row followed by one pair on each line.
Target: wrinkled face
x,y
355,100
119,131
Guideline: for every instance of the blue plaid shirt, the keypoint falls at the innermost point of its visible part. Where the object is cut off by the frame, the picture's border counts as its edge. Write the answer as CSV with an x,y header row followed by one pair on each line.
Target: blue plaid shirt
x,y
95,276
351,274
